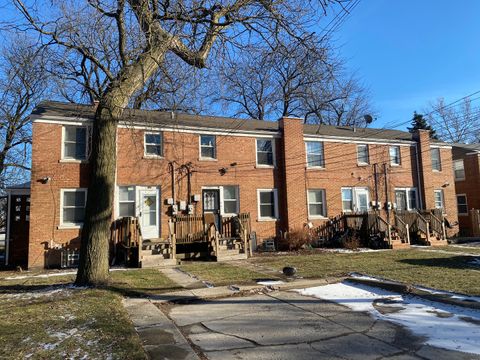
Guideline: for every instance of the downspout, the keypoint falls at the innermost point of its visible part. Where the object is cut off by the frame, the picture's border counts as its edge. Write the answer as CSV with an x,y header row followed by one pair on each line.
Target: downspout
x,y
7,237
420,191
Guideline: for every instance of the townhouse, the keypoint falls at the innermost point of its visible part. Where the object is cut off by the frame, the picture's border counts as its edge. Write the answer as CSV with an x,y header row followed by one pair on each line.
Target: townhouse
x,y
285,174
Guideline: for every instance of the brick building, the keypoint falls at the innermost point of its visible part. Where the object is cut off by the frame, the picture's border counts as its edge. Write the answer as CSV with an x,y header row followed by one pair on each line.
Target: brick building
x,y
285,174
466,165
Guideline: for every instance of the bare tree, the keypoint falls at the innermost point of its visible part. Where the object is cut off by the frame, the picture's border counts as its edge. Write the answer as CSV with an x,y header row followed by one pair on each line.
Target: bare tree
x,y
457,123
146,31
23,83
294,79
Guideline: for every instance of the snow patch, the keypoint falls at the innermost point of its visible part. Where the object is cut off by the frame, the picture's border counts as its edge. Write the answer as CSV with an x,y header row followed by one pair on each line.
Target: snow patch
x,y
270,282
349,251
456,331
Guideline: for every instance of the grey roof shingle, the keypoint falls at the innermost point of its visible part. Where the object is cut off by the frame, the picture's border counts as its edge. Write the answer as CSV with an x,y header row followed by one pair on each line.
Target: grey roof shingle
x,y
165,118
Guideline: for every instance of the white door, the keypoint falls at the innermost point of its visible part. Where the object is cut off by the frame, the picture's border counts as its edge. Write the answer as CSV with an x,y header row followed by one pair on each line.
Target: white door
x,y
149,213
361,197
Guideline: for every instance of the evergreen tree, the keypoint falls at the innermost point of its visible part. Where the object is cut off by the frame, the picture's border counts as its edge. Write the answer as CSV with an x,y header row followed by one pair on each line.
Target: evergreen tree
x,y
419,122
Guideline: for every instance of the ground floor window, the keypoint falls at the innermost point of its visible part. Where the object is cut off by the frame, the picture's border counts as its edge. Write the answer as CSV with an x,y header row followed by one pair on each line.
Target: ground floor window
x,y
439,199
406,198
73,206
462,204
355,199
126,201
267,204
230,200
316,203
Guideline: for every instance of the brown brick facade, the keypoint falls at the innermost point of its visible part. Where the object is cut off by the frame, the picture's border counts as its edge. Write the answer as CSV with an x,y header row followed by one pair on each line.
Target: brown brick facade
x,y
235,164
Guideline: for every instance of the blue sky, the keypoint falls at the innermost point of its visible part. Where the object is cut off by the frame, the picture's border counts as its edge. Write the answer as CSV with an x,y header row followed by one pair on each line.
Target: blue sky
x,y
411,52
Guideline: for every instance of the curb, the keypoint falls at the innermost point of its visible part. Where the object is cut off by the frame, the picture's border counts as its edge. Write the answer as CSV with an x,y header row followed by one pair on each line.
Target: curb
x,y
412,290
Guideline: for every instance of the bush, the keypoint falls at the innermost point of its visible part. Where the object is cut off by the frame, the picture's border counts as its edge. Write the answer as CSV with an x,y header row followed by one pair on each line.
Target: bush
x,y
351,242
295,239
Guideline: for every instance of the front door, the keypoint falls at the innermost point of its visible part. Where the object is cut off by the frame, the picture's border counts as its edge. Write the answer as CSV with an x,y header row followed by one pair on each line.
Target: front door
x,y
149,213
211,205
361,202
401,200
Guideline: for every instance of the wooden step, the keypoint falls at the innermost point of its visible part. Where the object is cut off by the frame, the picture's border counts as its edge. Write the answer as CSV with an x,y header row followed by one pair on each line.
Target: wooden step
x,y
164,252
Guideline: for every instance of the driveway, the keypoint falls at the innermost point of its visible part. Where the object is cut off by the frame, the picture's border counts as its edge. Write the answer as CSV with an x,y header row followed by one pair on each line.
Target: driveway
x,y
286,325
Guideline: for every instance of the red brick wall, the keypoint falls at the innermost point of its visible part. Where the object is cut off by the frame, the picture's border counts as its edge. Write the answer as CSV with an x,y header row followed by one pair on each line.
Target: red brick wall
x,y
341,170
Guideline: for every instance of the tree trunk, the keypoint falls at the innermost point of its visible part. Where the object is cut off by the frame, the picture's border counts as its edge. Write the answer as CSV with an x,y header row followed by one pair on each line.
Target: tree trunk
x,y
94,250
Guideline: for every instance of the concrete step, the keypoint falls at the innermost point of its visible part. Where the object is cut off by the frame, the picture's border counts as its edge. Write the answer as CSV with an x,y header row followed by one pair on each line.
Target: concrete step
x,y
435,242
164,252
400,245
221,257
151,261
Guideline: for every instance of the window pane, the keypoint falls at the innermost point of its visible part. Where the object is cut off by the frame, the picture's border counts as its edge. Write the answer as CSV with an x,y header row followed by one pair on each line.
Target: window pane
x,y
315,196
127,209
314,160
208,152
74,198
316,209
412,195
401,199
207,140
362,154
264,145
70,133
395,155
81,135
70,150
80,149
154,149
265,158
267,211
347,205
126,193
266,197
153,139
73,215
435,155
229,192
230,206
346,194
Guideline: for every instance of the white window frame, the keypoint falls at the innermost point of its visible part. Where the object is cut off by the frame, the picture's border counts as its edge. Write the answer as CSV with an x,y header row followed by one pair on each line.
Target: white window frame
x,y
324,206
222,200
392,163
440,191
69,225
454,170
274,160
362,163
466,204
435,149
354,197
275,205
407,190
323,155
87,144
134,201
145,144
205,158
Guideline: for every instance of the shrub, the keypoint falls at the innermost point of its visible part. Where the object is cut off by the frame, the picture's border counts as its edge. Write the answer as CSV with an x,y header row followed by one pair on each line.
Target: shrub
x,y
295,239
351,242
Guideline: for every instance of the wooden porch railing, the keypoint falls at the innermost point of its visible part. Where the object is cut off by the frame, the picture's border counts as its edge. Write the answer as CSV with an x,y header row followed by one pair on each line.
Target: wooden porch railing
x,y
402,228
126,232
423,226
188,228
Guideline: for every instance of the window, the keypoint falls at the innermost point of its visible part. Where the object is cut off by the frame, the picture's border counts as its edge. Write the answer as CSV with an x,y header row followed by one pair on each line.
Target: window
x,y
230,200
126,201
73,206
395,158
347,199
315,154
459,170
439,199
436,161
362,154
265,150
153,144
316,203
208,147
462,204
74,143
406,198
267,204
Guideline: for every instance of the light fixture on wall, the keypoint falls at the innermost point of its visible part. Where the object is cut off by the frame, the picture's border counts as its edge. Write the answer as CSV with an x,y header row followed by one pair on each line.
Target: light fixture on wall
x,y
445,184
45,180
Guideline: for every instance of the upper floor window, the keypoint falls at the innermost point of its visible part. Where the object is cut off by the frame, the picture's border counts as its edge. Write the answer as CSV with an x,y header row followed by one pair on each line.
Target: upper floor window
x,y
74,142
126,201
208,147
153,144
439,199
265,152
267,204
73,206
315,156
395,158
436,161
459,170
362,154
316,203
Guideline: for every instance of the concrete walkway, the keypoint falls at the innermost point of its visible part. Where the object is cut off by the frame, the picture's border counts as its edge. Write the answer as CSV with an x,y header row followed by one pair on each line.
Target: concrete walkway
x,y
160,337
181,278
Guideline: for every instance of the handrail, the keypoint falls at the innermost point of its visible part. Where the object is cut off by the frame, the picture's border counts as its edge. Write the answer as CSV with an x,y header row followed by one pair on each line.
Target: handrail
x,y
423,225
437,226
402,228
